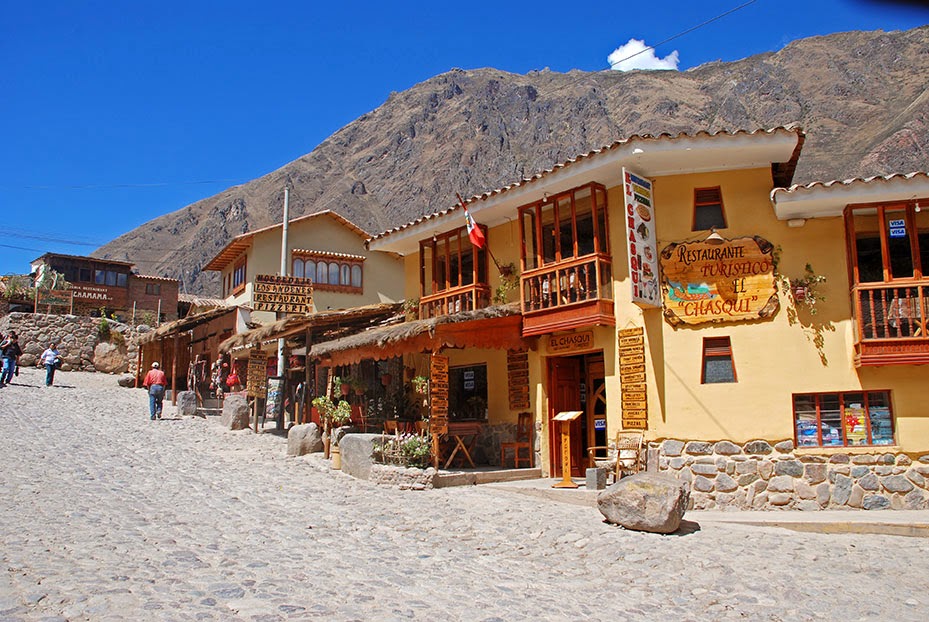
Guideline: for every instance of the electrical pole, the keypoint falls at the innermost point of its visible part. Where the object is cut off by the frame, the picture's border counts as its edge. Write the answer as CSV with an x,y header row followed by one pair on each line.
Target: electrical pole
x,y
285,264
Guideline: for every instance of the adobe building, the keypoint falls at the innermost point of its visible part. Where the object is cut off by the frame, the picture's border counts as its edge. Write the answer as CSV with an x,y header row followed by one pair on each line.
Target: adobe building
x,y
115,287
768,340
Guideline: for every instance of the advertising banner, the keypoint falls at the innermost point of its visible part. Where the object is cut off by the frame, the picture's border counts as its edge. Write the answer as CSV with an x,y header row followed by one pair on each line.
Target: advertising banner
x,y
641,239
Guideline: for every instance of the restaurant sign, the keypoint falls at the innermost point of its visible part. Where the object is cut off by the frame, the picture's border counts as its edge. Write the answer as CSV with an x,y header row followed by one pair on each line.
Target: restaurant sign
x,y
53,297
283,294
641,239
571,342
90,293
729,281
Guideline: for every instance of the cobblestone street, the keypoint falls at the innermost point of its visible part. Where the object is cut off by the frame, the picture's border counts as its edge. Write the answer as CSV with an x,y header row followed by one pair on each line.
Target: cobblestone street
x,y
106,515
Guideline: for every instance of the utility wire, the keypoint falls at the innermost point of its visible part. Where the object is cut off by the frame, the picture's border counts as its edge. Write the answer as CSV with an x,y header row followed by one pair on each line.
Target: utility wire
x,y
685,32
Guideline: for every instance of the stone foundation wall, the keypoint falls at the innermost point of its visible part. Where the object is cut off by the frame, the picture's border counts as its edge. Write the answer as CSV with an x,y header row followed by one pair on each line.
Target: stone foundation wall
x,y
77,341
404,478
759,476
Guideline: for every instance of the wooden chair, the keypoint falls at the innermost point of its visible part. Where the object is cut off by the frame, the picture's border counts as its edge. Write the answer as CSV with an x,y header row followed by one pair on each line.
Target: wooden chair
x,y
623,456
523,441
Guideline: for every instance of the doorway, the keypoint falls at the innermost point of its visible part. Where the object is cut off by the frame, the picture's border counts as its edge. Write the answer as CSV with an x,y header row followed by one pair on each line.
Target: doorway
x,y
577,383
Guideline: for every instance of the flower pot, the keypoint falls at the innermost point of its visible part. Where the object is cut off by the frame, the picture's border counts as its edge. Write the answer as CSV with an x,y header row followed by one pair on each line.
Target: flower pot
x,y
335,455
385,379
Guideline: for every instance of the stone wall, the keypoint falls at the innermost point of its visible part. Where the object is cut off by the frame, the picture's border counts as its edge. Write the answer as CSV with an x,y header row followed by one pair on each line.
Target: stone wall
x,y
78,341
404,478
759,476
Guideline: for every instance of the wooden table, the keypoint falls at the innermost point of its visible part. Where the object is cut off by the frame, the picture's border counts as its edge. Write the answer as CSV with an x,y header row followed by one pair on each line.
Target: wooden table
x,y
463,434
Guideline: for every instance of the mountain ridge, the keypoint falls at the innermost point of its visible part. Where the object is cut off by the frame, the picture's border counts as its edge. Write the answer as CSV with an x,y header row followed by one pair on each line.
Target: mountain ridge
x,y
862,97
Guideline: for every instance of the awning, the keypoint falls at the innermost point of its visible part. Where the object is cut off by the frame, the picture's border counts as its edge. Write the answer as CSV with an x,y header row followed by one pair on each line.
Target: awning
x,y
325,325
496,327
184,324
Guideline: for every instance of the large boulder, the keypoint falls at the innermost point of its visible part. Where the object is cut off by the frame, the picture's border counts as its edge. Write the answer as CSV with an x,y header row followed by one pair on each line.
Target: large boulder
x,y
235,413
126,380
304,439
358,454
187,403
650,502
110,358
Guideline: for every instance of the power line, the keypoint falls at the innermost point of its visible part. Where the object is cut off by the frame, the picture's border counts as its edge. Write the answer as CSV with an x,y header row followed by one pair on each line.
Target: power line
x,y
688,31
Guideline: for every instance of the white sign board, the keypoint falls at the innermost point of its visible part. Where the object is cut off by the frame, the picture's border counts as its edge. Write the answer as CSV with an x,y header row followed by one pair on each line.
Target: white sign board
x,y
640,239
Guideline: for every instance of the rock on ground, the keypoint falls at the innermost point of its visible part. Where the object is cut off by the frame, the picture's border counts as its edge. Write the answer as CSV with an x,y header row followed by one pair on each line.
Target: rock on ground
x,y
650,502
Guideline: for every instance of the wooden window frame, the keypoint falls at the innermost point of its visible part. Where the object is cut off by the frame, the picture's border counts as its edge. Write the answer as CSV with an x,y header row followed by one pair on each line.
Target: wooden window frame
x,y
478,257
717,351
698,203
597,192
840,396
239,276
153,289
320,258
851,242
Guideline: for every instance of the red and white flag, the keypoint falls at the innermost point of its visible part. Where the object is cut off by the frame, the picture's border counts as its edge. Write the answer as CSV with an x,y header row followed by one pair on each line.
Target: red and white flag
x,y
474,232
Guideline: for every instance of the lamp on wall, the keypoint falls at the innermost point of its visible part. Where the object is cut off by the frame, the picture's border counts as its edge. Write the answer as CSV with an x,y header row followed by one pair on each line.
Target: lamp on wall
x,y
714,238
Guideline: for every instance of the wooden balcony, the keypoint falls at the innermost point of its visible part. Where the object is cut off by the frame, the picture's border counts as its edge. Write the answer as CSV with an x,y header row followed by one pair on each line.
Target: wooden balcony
x,y
891,327
455,300
567,295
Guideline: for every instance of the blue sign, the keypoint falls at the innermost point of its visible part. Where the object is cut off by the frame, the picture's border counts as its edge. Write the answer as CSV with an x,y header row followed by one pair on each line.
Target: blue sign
x,y
898,232
599,424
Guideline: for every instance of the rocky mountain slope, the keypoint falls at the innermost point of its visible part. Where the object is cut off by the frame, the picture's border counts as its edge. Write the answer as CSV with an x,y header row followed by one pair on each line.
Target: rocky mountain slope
x,y
862,97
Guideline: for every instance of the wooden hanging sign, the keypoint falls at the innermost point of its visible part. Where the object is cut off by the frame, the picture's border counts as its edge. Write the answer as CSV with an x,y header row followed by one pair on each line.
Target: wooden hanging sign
x,y
729,281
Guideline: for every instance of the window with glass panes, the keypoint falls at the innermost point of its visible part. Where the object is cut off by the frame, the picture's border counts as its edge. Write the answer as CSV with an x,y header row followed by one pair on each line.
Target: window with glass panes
x,y
847,419
708,209
450,260
329,272
718,365
565,226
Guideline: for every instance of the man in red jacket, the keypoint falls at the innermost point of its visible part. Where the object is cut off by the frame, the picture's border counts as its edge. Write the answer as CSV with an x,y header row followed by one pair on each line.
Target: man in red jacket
x,y
155,381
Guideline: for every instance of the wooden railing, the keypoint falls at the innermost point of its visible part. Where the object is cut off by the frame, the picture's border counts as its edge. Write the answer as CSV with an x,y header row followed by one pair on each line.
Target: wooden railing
x,y
892,323
455,300
566,283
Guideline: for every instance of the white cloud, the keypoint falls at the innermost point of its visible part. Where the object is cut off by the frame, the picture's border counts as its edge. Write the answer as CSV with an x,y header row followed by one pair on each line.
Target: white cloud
x,y
634,55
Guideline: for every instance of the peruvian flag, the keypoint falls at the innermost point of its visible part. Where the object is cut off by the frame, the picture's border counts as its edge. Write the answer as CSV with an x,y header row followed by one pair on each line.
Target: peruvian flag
x,y
474,232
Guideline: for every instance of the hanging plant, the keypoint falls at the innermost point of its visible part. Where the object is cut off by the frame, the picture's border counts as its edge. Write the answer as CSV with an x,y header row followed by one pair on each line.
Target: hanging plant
x,y
420,384
805,291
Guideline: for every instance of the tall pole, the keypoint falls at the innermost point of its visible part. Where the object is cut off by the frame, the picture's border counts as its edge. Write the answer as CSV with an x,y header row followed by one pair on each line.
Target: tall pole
x,y
285,264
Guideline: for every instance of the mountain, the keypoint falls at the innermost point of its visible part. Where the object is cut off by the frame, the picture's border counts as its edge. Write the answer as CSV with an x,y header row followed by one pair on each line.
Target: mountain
x,y
862,98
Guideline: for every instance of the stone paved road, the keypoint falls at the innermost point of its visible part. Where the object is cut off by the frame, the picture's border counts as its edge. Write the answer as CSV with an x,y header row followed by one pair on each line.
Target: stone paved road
x,y
106,515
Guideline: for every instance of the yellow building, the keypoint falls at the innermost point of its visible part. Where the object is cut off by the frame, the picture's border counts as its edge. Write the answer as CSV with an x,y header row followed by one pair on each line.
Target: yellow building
x,y
324,251
767,340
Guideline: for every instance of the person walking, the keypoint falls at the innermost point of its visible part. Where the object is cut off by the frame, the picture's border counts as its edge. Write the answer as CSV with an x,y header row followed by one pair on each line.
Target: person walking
x,y
52,360
155,381
10,351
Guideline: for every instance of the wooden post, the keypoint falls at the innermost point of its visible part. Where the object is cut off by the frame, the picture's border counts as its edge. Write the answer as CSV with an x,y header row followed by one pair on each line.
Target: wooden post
x,y
174,373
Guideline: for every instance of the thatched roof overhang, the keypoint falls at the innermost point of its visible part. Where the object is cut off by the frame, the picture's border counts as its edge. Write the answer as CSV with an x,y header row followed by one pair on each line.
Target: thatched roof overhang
x,y
325,325
184,324
498,327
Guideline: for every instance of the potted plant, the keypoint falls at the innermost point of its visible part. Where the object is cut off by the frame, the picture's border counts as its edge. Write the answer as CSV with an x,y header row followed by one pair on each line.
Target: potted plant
x,y
805,290
420,384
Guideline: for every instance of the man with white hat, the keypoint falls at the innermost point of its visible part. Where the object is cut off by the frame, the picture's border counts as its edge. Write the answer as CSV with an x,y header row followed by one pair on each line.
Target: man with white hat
x,y
155,381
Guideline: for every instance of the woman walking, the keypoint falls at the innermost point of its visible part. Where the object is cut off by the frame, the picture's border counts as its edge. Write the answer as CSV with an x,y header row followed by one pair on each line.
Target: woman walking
x,y
51,359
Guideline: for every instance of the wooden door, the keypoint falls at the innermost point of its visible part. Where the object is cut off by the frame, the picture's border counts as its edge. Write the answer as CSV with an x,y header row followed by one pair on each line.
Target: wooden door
x,y
565,394
596,403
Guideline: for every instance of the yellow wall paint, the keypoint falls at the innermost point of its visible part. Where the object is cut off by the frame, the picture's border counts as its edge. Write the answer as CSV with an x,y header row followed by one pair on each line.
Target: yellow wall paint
x,y
380,276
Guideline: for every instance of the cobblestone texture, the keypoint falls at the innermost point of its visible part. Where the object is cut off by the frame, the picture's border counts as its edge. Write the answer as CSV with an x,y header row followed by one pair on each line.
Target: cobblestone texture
x,y
106,515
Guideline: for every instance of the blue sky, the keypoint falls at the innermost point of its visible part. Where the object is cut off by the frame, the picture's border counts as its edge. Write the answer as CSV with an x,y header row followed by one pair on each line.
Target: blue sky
x,y
113,113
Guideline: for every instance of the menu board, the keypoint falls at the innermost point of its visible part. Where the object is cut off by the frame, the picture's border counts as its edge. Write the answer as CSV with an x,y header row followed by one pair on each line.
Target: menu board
x,y
256,377
438,394
725,281
641,239
517,371
632,379
275,400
